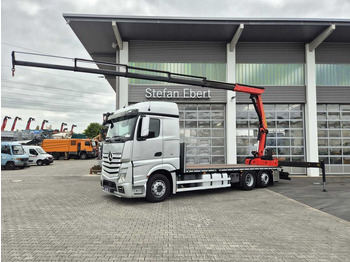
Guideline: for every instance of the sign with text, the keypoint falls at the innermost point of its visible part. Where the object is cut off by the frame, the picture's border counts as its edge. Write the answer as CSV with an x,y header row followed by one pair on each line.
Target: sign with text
x,y
186,93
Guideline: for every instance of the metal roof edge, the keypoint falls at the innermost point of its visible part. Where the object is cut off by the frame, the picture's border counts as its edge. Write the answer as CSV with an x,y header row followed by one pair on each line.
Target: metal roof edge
x,y
204,20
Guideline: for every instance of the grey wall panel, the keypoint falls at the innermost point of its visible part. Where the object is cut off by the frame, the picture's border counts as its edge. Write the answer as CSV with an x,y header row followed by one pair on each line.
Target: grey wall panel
x,y
270,53
333,94
333,53
137,93
177,52
277,94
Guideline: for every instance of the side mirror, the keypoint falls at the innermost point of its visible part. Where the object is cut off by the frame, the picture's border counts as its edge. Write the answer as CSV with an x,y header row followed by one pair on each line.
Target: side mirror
x,y
145,127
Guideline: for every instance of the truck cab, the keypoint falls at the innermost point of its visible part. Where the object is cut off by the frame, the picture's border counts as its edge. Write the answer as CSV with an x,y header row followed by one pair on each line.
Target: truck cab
x,y
142,143
13,155
37,155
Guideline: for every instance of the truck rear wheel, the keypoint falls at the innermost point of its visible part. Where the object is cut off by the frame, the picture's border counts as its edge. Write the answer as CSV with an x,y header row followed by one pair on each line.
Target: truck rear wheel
x,y
248,180
263,179
83,156
10,166
55,156
158,188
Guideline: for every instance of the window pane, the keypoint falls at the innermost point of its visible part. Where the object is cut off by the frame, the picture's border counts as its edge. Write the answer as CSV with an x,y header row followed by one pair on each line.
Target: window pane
x,y
332,74
323,142
270,74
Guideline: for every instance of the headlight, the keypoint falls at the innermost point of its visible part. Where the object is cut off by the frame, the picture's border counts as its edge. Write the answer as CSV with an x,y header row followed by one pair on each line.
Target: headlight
x,y
122,177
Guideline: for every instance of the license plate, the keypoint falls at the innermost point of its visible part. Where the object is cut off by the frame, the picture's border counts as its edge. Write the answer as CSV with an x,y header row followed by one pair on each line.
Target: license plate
x,y
106,189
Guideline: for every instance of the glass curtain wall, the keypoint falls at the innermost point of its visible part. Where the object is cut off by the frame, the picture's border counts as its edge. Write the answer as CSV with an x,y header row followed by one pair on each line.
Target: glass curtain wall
x,y
286,131
333,122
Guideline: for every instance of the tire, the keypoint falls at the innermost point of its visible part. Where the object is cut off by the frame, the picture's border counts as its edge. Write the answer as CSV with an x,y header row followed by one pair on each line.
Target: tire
x,y
158,188
263,179
248,180
83,156
10,166
39,162
55,156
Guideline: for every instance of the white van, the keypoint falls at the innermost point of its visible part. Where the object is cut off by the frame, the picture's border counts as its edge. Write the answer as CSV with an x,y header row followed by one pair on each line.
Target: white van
x,y
37,155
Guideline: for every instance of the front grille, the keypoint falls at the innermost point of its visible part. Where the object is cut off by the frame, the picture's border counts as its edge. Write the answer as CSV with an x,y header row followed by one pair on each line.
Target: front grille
x,y
111,168
109,184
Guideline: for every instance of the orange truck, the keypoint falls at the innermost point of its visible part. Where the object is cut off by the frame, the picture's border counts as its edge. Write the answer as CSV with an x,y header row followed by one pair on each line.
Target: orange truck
x,y
70,148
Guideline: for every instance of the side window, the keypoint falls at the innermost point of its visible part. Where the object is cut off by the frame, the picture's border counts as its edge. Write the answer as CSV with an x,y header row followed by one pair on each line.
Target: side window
x,y
87,143
73,142
154,128
5,149
33,152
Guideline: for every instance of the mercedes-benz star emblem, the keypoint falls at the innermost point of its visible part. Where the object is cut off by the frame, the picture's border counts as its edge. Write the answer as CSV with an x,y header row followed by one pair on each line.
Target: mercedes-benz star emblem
x,y
110,156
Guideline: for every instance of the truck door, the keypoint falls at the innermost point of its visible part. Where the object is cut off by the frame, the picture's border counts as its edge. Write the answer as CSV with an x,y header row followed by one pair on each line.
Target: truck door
x,y
5,154
32,155
147,152
78,147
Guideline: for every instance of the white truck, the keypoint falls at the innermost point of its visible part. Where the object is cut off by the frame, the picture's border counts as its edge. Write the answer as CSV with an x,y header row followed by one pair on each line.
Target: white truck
x,y
141,154
143,157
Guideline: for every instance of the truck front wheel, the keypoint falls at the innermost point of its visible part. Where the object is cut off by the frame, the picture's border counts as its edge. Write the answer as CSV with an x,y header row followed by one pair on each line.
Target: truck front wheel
x,y
10,166
158,188
248,180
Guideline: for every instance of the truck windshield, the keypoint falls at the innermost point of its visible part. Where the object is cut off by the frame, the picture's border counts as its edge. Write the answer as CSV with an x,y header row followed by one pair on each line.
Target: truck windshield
x,y
121,129
40,150
17,150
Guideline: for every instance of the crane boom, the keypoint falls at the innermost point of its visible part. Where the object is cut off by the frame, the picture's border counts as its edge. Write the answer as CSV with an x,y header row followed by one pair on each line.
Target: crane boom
x,y
15,122
169,77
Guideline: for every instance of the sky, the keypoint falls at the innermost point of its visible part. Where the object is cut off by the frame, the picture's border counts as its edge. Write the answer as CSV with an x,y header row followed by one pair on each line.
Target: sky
x,y
76,98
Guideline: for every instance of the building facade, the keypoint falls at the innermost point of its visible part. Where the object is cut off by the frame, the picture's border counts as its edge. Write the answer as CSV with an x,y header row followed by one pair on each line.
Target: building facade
x,y
304,66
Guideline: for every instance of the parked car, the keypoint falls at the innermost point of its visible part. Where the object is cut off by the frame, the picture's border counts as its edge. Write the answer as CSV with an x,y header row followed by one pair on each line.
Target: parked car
x,y
13,155
37,155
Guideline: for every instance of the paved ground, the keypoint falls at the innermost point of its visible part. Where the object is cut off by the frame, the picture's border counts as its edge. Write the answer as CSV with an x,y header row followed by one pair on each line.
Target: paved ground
x,y
336,201
58,213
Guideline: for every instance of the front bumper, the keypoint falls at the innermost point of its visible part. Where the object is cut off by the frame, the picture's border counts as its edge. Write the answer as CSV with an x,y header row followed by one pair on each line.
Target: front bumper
x,y
20,164
125,190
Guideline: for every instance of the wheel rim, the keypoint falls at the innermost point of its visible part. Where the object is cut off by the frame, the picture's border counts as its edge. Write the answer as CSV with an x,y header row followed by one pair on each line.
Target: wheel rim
x,y
264,178
158,188
249,179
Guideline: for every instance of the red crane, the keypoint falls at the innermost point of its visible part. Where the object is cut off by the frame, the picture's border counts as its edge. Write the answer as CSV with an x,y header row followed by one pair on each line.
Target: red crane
x,y
62,125
15,122
42,125
4,123
29,121
73,128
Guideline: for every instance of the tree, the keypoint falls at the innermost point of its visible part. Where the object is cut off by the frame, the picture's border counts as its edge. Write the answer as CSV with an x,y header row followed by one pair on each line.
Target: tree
x,y
93,130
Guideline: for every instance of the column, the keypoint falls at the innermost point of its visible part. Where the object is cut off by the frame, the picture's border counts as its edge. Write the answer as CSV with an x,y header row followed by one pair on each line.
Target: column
x,y
231,151
311,137
123,84
117,80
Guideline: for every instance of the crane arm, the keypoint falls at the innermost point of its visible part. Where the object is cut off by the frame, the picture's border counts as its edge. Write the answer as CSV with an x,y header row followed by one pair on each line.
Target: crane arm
x,y
4,122
15,122
122,70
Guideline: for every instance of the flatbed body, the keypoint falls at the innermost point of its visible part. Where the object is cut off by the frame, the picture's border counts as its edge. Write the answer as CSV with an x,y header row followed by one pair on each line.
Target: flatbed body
x,y
214,168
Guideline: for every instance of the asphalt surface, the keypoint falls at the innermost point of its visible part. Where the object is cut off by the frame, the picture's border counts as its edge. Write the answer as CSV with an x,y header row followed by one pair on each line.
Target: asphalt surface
x,y
60,213
309,191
